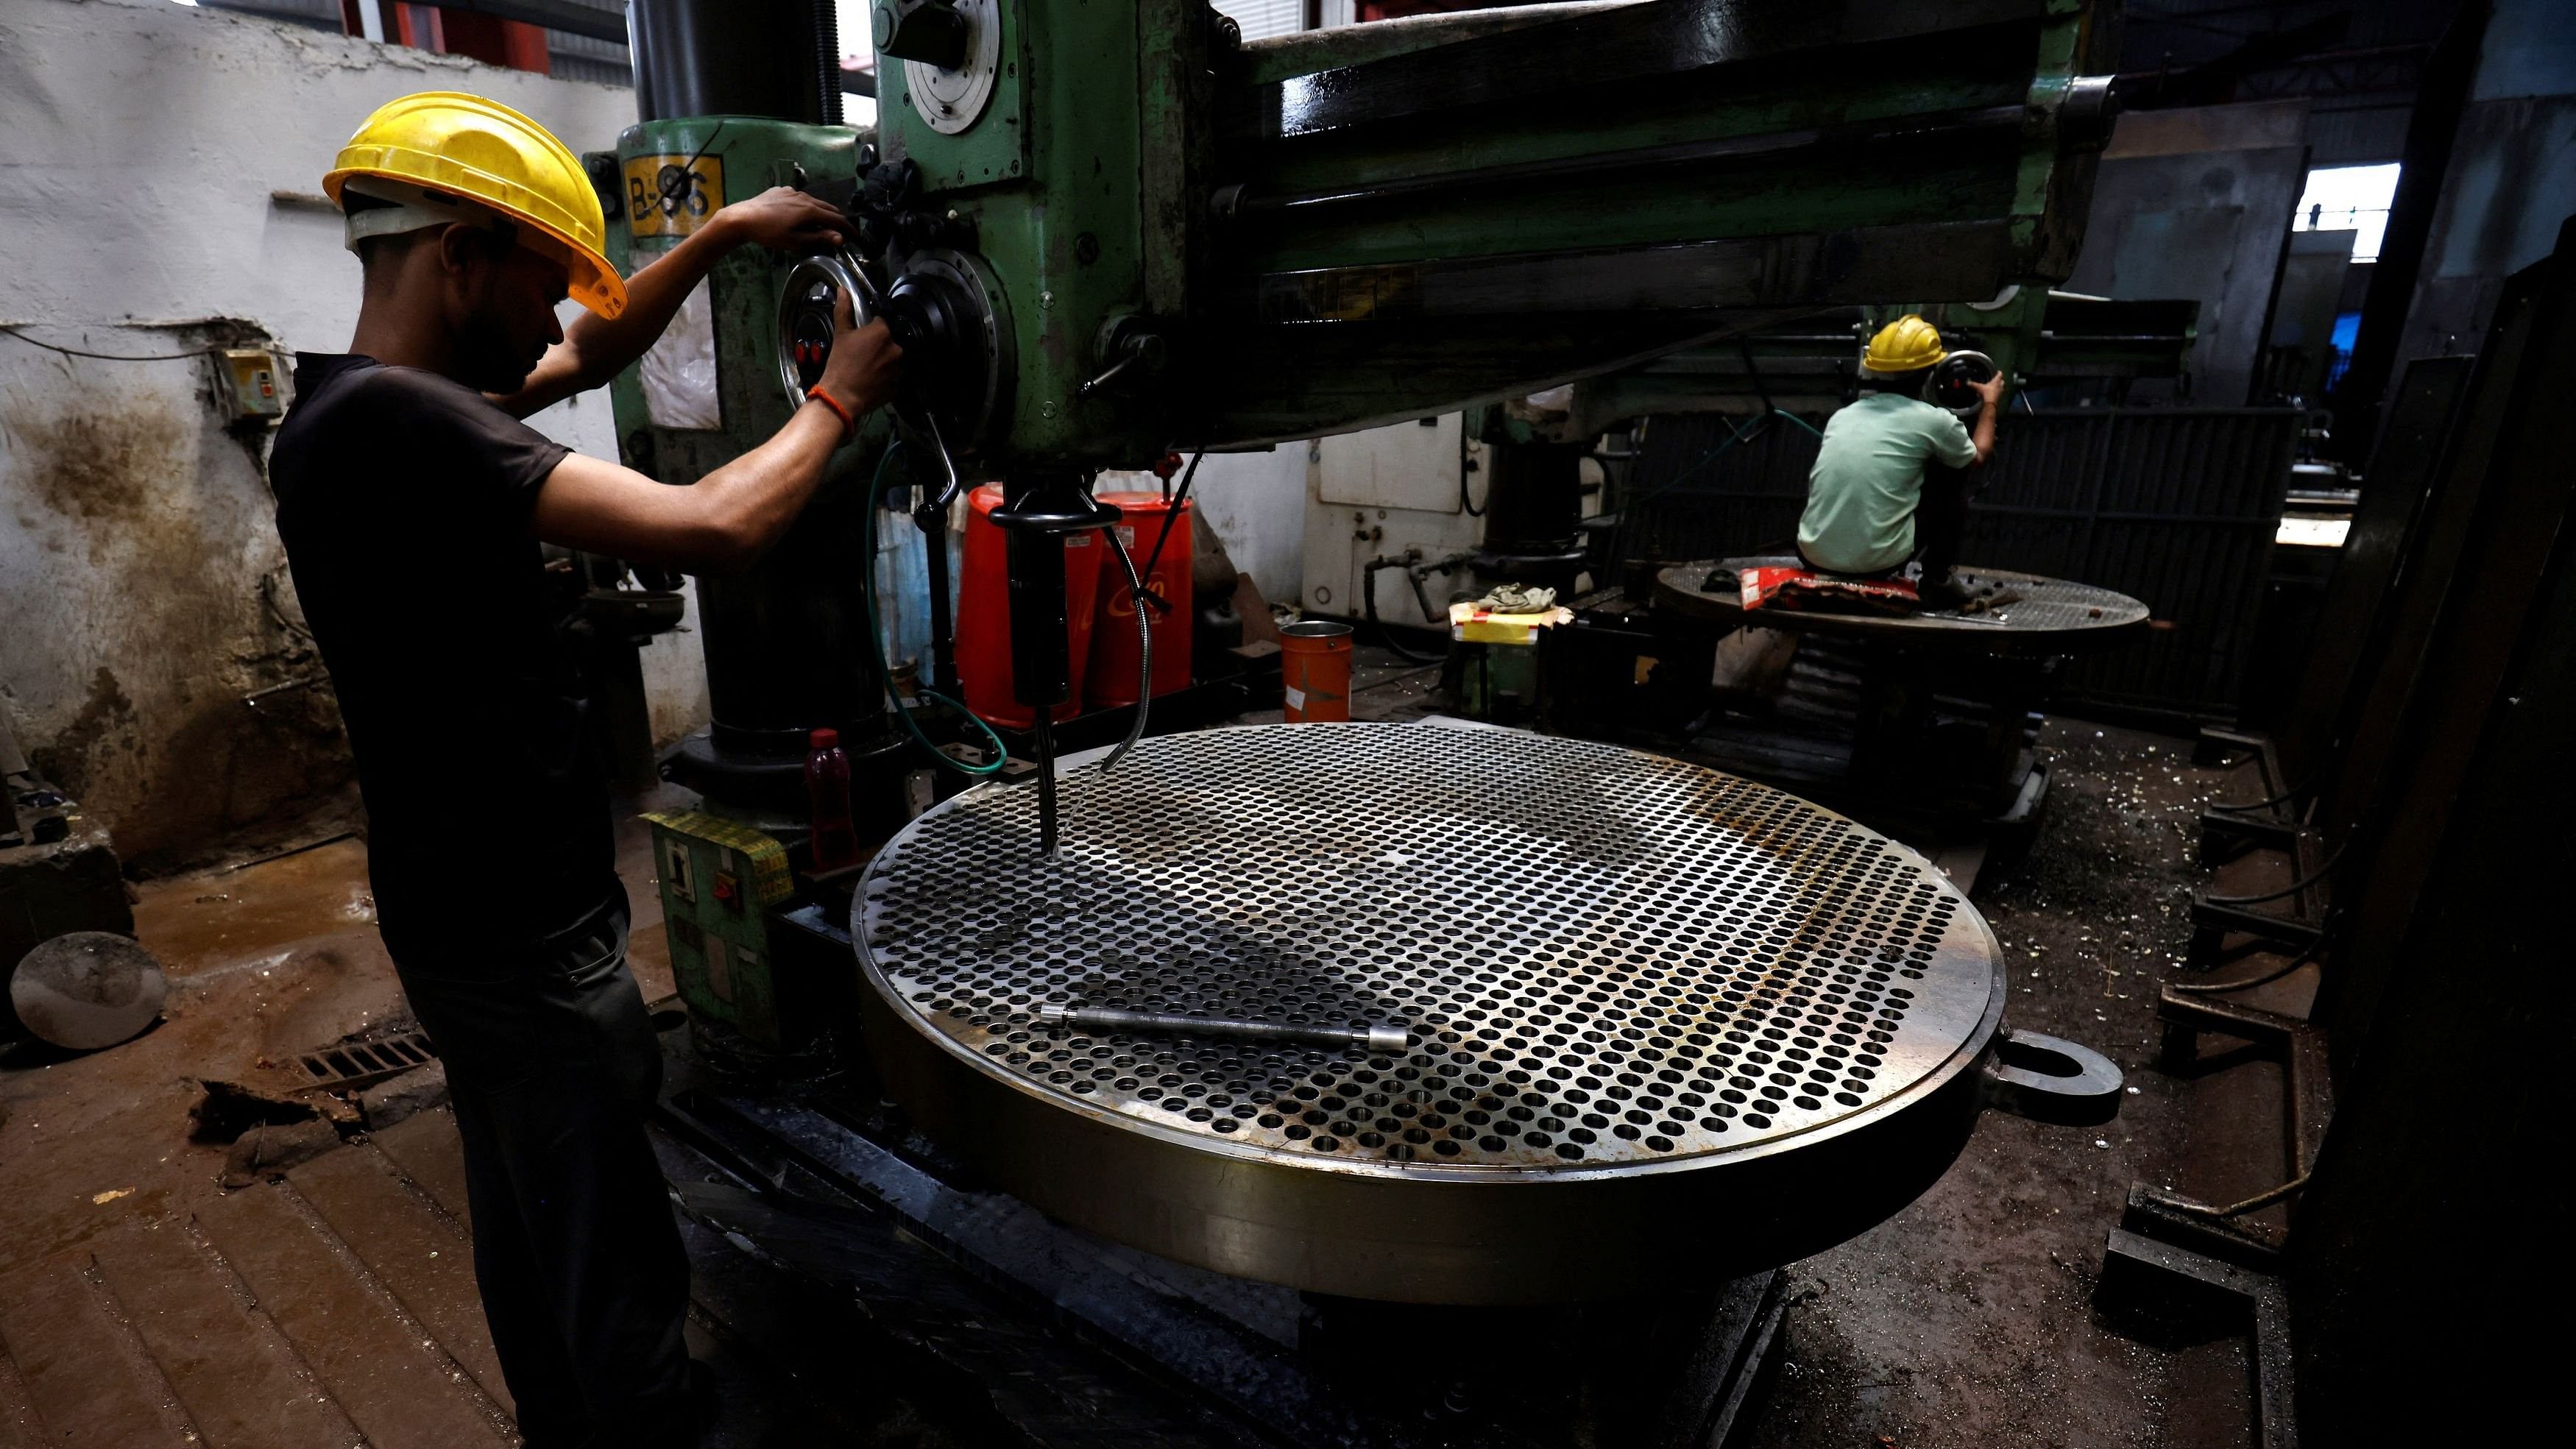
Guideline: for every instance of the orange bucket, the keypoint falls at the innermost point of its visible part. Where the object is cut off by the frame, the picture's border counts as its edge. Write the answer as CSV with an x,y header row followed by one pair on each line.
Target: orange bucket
x,y
1315,671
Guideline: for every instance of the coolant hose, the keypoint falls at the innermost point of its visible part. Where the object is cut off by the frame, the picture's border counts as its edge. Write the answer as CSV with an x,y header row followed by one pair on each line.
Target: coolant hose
x,y
1386,636
1144,651
876,646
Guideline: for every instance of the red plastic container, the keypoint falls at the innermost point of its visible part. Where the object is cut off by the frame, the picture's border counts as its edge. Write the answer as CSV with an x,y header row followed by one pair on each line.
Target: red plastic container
x,y
1113,634
984,615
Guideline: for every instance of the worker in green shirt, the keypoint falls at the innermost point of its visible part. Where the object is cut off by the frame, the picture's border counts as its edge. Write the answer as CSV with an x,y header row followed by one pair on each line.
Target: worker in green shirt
x,y
1887,485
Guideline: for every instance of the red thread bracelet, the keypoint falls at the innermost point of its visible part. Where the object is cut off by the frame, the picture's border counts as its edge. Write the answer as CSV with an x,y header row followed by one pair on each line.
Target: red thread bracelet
x,y
849,425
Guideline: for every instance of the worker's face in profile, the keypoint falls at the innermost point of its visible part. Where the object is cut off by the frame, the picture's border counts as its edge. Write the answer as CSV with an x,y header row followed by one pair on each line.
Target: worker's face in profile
x,y
505,298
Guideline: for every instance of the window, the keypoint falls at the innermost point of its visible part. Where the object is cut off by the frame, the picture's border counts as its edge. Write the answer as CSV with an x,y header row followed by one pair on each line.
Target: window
x,y
2349,198
857,24
1262,19
2345,337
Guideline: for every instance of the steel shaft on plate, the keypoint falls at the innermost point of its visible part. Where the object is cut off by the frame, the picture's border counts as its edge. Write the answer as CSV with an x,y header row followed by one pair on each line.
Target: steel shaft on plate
x,y
1370,1037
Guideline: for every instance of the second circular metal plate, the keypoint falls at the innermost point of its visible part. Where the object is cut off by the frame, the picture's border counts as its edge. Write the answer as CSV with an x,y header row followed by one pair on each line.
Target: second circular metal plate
x,y
2049,616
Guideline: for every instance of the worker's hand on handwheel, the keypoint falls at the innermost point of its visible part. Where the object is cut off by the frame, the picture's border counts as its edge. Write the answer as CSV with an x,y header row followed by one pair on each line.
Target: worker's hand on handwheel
x,y
783,219
1992,390
865,363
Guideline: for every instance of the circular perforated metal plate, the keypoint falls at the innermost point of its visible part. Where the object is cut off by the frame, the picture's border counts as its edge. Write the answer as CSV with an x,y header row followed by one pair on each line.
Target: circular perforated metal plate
x,y
2037,614
1610,962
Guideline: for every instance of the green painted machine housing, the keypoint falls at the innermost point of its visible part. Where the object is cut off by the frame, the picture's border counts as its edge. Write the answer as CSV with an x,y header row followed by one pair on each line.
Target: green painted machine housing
x,y
1049,178
755,153
1137,165
719,880
1352,226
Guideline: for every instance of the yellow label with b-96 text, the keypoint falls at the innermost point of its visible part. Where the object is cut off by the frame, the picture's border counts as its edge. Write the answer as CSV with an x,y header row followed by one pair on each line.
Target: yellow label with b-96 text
x,y
670,195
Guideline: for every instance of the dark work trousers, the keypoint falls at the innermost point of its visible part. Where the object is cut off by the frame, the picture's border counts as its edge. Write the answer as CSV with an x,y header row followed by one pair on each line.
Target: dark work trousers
x,y
1941,518
552,1064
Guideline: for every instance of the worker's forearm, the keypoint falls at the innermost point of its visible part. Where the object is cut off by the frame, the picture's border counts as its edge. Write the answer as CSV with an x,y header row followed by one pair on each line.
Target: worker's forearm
x,y
753,499
1985,436
608,346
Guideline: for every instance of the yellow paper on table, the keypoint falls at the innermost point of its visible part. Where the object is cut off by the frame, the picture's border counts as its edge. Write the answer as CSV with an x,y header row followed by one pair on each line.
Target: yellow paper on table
x,y
1476,624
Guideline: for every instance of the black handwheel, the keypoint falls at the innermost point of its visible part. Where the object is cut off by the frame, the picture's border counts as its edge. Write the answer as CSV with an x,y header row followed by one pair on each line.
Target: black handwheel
x,y
1949,386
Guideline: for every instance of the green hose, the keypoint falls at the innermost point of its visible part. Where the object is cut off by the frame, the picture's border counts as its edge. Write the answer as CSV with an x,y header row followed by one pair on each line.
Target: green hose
x,y
876,647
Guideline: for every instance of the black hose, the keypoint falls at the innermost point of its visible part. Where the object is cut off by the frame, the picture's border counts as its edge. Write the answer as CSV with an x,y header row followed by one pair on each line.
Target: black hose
x,y
2239,807
1471,510
2248,983
1386,636
2323,870
1144,651
1171,515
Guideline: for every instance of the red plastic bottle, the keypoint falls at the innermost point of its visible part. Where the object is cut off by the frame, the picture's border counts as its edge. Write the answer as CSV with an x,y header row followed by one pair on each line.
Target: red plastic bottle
x,y
827,784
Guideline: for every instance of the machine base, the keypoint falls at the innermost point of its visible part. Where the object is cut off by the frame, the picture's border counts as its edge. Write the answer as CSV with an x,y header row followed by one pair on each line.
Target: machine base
x,y
766,788
1941,747
1234,1360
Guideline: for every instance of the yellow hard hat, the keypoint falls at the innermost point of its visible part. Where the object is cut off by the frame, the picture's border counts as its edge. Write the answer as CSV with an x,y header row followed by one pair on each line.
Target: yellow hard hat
x,y
1908,344
486,153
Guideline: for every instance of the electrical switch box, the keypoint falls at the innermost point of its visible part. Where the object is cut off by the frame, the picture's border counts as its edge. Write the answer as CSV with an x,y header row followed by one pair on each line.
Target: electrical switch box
x,y
719,878
255,383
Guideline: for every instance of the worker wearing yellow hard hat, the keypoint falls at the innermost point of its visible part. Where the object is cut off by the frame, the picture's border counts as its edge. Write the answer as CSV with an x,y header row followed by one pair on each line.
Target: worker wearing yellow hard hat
x,y
1887,487
413,502
442,155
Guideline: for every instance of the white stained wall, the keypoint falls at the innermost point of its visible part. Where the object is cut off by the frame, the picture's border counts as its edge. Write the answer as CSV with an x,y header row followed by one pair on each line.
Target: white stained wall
x,y
147,144
1256,502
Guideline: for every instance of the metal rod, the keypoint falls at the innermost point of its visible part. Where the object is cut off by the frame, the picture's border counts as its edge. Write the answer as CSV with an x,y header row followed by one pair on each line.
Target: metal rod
x,y
1042,735
1370,1037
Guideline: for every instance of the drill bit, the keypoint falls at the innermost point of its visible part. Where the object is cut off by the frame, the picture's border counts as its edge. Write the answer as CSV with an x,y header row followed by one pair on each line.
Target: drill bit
x,y
1043,737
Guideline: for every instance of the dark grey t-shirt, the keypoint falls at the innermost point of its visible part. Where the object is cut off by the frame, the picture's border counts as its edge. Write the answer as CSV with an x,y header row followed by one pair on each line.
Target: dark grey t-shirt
x,y
403,498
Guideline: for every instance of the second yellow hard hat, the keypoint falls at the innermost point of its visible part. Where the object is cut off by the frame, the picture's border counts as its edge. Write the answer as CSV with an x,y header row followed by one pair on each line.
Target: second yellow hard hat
x,y
1908,344
486,153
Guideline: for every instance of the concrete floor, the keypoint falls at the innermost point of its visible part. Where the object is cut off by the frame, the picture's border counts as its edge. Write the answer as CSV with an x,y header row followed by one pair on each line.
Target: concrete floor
x,y
141,1305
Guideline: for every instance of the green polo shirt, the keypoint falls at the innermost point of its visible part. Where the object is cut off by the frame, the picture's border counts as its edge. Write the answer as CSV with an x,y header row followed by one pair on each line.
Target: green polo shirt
x,y
1868,478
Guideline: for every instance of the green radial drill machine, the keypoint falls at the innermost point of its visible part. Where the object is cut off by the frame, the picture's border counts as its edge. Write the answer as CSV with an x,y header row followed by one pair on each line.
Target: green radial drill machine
x,y
1109,229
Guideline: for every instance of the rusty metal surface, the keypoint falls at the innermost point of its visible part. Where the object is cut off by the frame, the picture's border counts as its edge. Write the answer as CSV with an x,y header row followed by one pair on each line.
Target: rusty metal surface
x,y
2051,616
